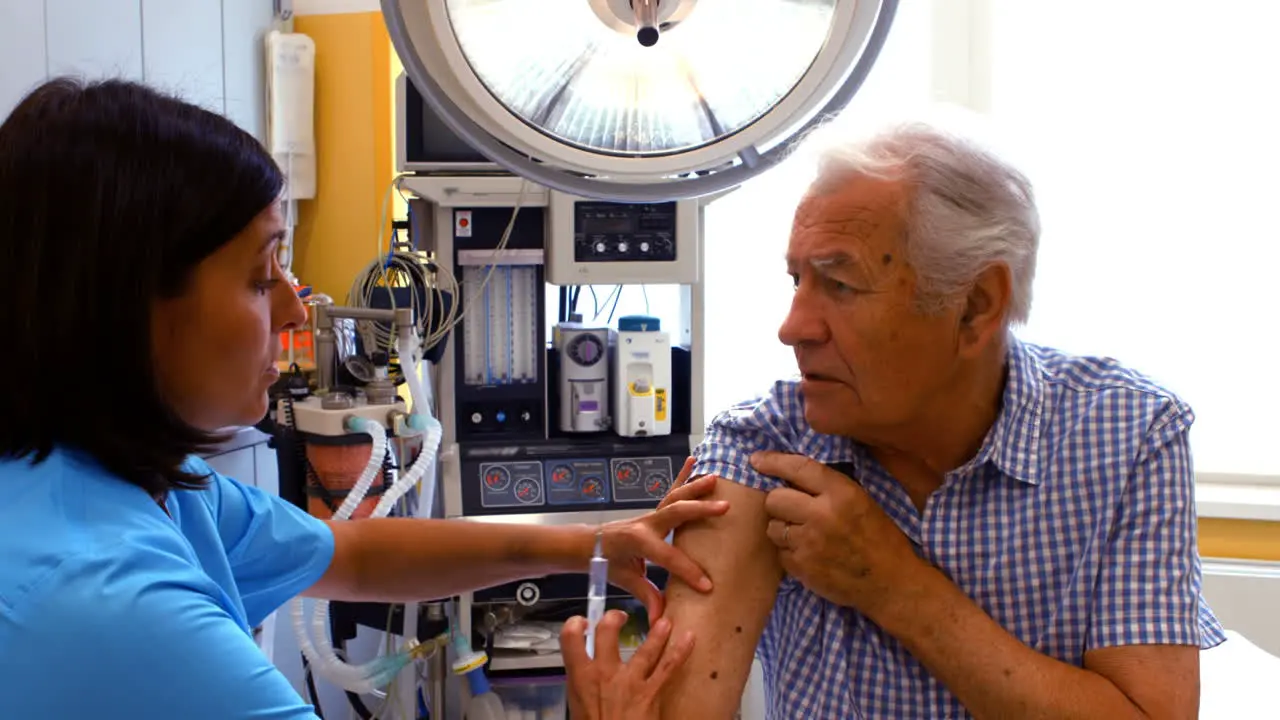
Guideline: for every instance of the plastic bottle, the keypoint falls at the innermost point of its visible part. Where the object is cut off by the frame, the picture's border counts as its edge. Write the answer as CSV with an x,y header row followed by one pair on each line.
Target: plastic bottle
x,y
485,703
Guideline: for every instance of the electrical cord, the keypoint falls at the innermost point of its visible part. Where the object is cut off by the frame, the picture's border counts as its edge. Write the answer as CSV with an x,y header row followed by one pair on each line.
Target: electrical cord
x,y
614,309
617,290
312,694
391,268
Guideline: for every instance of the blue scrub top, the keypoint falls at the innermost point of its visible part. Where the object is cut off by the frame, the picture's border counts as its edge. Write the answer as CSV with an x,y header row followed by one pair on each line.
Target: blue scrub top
x,y
109,608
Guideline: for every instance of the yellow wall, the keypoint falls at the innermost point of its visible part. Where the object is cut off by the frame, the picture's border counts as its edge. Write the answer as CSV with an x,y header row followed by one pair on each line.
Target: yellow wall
x,y
337,233
1245,539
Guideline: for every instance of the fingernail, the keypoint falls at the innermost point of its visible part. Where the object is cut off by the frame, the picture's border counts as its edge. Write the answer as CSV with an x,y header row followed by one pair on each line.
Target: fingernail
x,y
705,584
722,504
662,626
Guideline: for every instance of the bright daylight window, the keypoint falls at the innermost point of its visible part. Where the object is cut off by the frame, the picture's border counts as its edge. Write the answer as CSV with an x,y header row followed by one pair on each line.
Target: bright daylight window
x,y
1150,136
748,292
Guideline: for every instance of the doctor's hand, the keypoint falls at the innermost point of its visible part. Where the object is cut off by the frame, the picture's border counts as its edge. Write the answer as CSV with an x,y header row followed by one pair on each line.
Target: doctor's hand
x,y
833,537
607,688
629,543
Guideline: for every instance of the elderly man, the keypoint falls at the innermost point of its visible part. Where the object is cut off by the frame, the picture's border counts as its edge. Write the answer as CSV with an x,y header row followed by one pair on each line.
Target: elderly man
x,y
938,520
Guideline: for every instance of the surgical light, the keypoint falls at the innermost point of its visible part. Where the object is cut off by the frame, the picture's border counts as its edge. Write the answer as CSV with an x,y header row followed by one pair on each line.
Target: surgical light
x,y
636,100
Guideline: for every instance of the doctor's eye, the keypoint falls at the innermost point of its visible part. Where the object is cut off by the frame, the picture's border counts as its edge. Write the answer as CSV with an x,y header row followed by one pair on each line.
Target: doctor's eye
x,y
265,287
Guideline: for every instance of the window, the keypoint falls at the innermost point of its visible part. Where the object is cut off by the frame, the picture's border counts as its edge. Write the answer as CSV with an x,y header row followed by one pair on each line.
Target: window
x,y
1150,135
747,288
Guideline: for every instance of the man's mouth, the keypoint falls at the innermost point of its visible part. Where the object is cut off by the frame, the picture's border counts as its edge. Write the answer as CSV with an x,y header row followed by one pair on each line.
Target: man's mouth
x,y
817,377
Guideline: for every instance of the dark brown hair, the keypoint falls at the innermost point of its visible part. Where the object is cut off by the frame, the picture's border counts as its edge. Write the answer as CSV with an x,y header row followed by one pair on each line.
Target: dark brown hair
x,y
110,195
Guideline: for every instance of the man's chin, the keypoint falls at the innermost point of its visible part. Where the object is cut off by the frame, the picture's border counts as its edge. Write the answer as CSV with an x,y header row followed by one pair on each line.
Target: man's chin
x,y
828,416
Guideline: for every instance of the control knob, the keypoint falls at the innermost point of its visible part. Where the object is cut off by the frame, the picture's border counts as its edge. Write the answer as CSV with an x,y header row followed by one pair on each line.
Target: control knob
x,y
528,594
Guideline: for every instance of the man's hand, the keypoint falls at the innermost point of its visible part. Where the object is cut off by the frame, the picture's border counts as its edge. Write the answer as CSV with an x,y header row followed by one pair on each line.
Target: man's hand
x,y
608,689
629,543
831,535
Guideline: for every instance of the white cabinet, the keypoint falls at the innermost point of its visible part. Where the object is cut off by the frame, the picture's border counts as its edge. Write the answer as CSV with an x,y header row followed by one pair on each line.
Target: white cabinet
x,y
208,52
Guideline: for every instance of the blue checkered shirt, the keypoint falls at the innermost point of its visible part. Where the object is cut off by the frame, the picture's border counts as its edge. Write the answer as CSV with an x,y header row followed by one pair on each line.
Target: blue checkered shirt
x,y
1074,527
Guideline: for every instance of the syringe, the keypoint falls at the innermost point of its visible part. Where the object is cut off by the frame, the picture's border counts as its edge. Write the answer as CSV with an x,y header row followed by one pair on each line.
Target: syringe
x,y
597,591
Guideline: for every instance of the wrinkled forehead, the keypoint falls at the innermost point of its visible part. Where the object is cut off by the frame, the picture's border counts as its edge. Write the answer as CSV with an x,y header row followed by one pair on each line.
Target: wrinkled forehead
x,y
862,219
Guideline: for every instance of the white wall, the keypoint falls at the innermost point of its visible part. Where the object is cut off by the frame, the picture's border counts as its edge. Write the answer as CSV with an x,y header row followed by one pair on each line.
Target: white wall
x,y
207,51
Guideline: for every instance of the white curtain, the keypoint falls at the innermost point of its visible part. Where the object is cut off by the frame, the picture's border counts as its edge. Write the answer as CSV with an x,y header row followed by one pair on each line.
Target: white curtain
x,y
1151,131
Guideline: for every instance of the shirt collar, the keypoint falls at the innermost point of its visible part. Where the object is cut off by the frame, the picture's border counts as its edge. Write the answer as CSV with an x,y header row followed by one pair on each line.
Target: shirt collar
x,y
1013,443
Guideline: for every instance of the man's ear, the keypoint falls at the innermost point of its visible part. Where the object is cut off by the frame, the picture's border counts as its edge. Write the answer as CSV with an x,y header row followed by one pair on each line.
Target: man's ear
x,y
985,307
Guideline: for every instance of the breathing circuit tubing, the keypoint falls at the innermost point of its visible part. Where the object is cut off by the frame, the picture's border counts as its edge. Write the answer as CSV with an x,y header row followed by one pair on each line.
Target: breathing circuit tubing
x,y
315,643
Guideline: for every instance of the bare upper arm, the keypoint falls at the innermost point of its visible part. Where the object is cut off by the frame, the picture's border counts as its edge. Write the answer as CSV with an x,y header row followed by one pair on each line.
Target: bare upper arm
x,y
727,622
1162,680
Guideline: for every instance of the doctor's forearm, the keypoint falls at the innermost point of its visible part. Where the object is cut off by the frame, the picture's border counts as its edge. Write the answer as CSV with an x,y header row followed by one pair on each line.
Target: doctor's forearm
x,y
402,560
991,672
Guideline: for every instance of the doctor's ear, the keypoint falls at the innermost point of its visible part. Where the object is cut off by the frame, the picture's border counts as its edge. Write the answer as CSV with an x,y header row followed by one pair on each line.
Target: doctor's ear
x,y
985,308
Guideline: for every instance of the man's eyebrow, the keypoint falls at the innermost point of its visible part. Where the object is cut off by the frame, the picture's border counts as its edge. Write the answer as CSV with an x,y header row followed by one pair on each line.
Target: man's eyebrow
x,y
834,261
824,261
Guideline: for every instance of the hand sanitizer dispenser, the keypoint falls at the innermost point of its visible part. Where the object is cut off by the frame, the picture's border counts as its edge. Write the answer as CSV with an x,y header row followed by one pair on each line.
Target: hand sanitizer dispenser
x,y
641,377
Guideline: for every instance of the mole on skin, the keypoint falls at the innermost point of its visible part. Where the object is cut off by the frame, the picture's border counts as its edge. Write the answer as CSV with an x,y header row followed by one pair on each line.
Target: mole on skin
x,y
738,629
887,258
714,675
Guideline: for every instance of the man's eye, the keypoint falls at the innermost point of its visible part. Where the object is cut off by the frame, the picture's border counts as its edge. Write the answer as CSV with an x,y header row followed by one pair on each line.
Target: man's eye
x,y
840,288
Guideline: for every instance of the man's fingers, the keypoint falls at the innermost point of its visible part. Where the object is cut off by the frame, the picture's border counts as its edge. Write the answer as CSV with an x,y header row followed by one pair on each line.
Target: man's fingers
x,y
646,658
789,505
779,534
799,471
673,658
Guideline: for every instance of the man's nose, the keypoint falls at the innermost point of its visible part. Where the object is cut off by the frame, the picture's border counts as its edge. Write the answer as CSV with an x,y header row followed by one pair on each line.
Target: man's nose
x,y
804,324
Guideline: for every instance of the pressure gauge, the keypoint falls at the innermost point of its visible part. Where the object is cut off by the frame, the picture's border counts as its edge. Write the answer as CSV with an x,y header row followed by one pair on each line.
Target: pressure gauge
x,y
636,100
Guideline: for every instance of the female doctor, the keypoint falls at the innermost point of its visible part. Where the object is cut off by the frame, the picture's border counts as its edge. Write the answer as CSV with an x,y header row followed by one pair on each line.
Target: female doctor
x,y
141,295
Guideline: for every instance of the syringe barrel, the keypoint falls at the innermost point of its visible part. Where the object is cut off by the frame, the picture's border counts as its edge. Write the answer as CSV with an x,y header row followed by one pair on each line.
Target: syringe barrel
x,y
598,577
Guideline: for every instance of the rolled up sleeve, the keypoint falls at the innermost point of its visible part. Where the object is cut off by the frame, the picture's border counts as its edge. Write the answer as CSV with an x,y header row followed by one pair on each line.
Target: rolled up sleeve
x,y
746,428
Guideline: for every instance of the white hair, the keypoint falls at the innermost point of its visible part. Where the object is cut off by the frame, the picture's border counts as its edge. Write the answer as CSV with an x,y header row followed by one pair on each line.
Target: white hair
x,y
967,210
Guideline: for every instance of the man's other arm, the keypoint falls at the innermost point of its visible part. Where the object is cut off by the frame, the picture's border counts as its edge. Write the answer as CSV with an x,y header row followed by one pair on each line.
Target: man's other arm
x,y
1142,655
727,623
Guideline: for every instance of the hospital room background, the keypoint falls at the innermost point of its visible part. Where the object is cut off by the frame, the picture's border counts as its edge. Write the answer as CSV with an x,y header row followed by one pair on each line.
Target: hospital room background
x,y
1148,128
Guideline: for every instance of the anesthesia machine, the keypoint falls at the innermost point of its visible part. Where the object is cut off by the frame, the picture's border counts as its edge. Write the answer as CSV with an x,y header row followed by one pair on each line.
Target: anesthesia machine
x,y
545,149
